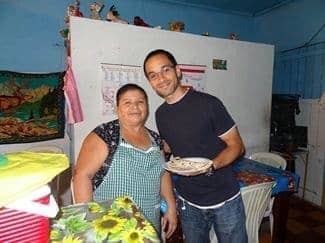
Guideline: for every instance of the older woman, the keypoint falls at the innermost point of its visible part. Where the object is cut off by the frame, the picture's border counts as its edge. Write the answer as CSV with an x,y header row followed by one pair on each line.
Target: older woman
x,y
123,157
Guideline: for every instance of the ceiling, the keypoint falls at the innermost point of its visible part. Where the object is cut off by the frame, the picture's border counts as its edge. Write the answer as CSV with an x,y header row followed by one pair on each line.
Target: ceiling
x,y
241,7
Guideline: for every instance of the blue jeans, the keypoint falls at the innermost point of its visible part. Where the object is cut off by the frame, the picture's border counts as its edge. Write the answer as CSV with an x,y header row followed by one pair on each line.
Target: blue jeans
x,y
228,222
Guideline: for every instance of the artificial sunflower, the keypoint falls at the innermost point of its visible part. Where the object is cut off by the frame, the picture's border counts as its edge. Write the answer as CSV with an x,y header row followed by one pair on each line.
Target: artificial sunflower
x,y
95,207
137,214
113,211
73,224
148,228
71,239
124,202
108,225
54,234
133,236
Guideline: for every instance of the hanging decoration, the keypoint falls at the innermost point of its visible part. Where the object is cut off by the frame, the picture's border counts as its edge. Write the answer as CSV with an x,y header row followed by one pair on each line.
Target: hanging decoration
x,y
31,107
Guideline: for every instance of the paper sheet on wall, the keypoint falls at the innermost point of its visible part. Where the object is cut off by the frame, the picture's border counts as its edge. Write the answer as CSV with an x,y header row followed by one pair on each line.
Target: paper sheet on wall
x,y
113,76
194,76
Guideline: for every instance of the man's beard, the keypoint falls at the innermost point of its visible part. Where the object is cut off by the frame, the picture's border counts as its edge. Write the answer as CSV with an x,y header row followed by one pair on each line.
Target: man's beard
x,y
170,91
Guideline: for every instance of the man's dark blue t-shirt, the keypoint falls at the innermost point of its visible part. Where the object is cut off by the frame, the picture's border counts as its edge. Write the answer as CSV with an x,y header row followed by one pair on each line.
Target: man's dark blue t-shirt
x,y
192,127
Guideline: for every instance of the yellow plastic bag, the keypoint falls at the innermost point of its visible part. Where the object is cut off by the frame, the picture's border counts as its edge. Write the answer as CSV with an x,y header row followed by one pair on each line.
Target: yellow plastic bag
x,y
27,171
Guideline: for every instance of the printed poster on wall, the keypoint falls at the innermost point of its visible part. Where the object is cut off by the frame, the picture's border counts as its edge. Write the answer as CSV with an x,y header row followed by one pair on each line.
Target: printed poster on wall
x,y
193,76
112,77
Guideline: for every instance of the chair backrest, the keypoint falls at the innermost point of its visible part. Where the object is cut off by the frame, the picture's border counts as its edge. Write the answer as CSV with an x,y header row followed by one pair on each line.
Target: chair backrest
x,y
256,198
271,159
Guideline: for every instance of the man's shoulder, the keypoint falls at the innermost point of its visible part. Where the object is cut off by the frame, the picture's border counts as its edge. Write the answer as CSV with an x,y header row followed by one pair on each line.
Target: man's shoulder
x,y
204,97
162,107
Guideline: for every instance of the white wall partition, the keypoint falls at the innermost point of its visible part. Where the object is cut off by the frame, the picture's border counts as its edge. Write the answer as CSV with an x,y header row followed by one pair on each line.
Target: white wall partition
x,y
245,87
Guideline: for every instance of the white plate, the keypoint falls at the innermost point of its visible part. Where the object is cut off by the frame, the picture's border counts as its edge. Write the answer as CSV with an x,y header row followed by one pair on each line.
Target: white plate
x,y
188,165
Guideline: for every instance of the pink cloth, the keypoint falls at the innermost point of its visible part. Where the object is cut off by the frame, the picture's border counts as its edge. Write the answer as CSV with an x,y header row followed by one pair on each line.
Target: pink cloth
x,y
74,114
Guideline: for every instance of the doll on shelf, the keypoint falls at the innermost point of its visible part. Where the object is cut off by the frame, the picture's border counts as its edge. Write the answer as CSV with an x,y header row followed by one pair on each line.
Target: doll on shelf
x,y
72,10
113,16
233,36
95,9
139,22
176,26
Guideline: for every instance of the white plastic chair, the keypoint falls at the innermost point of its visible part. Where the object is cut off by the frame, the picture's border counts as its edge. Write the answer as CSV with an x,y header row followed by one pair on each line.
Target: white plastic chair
x,y
274,160
271,159
256,198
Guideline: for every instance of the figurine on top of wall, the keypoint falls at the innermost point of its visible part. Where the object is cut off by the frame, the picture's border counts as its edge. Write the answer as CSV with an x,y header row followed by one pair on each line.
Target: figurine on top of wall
x,y
139,22
72,10
95,9
114,16
233,36
176,26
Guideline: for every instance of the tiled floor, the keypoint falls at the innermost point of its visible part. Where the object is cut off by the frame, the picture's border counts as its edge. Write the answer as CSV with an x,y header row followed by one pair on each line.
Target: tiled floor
x,y
306,223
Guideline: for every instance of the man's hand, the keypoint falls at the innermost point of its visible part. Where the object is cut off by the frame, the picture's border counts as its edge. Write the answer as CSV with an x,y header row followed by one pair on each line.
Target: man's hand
x,y
169,222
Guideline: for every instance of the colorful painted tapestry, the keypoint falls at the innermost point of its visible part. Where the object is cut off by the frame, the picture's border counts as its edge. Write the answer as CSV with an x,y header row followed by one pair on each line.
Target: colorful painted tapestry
x,y
31,107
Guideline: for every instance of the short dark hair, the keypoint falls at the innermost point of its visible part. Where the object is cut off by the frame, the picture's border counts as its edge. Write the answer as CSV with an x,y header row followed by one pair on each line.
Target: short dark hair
x,y
127,87
167,54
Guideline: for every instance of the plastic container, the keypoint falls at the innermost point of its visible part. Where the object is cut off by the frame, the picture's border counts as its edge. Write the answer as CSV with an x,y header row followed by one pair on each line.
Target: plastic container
x,y
27,219
163,206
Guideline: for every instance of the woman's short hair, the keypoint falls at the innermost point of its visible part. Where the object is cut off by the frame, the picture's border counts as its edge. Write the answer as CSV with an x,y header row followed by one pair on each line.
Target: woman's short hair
x,y
127,87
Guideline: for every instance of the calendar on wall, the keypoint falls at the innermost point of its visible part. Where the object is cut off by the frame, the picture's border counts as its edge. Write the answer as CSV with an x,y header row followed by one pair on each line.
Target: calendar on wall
x,y
193,76
114,76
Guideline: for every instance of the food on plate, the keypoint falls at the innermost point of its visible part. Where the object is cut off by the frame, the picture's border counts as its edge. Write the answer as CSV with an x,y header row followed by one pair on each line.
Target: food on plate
x,y
180,164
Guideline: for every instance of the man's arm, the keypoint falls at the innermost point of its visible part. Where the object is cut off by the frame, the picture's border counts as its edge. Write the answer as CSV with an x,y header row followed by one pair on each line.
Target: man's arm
x,y
235,148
